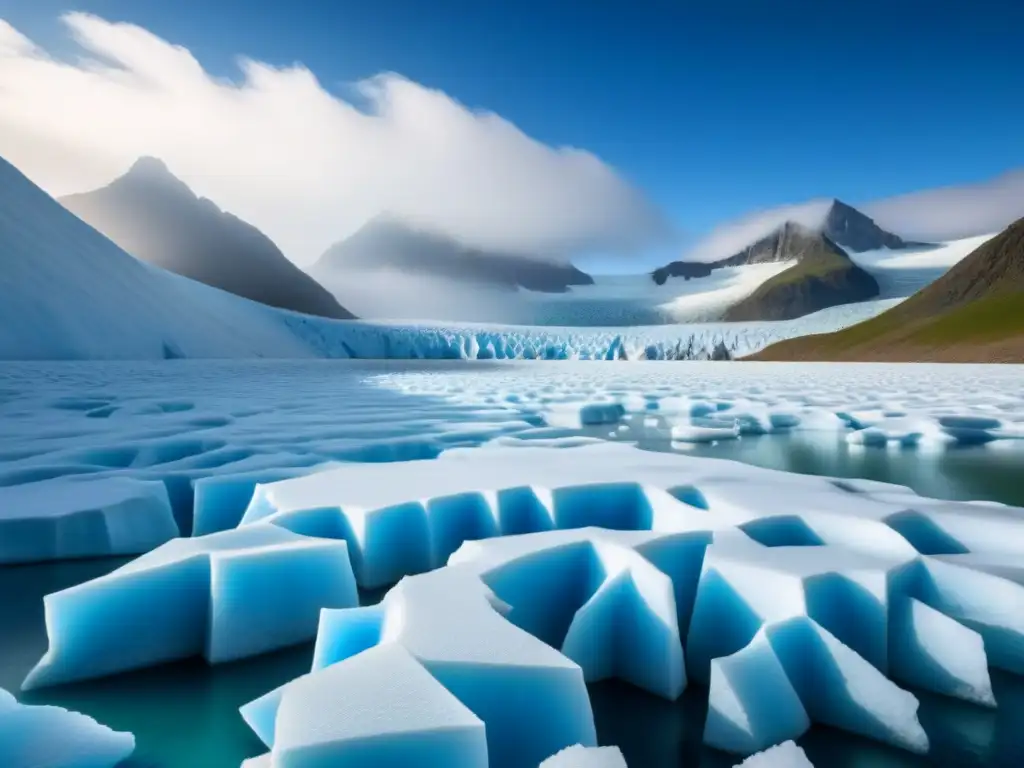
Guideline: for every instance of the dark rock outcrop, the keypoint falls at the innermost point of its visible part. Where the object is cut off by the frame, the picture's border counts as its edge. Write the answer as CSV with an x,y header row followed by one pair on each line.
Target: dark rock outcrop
x,y
387,243
822,275
856,233
155,217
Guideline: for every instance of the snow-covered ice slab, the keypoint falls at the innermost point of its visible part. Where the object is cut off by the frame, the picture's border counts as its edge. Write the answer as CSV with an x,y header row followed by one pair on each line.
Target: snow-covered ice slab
x,y
403,521
578,756
799,599
383,710
53,737
785,755
225,596
69,517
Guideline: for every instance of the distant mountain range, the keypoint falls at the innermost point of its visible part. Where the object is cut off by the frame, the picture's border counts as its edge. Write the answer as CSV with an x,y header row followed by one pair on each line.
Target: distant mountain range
x,y
972,314
387,243
69,293
823,274
155,217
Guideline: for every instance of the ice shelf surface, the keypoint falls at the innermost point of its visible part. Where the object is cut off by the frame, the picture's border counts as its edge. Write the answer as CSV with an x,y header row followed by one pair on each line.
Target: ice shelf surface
x,y
186,426
53,737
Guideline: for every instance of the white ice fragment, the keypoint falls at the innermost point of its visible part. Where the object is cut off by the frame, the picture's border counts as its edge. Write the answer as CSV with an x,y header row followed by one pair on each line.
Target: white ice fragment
x,y
71,517
54,737
578,756
225,596
785,755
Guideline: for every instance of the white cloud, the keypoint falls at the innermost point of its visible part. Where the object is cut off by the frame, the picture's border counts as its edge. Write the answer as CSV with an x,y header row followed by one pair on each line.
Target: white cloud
x,y
931,215
951,213
302,164
732,237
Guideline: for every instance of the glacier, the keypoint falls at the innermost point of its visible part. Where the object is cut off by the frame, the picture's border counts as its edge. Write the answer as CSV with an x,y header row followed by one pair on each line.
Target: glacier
x,y
525,572
69,293
53,737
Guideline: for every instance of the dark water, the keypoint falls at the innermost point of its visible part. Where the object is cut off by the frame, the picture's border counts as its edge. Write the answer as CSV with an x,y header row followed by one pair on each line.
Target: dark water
x,y
185,715
993,472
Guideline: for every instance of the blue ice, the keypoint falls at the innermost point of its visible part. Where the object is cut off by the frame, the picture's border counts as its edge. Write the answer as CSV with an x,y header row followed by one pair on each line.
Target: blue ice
x,y
72,517
385,710
53,737
225,596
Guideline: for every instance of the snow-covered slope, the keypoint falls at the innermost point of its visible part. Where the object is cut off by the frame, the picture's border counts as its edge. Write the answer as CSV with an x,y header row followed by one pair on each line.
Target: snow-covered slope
x,y
68,292
902,273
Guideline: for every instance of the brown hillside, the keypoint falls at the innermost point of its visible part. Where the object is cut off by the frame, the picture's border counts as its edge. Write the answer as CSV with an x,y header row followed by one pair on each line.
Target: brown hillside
x,y
973,313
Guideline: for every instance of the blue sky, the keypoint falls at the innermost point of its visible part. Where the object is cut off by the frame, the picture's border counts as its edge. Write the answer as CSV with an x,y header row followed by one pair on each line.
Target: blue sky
x,y
712,108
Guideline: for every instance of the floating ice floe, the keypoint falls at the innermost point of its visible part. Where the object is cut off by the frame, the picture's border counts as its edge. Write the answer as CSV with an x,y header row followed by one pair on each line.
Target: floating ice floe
x,y
72,517
909,405
226,596
53,737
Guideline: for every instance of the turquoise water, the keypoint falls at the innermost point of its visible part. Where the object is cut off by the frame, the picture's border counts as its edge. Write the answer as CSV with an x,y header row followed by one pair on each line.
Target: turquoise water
x,y
186,714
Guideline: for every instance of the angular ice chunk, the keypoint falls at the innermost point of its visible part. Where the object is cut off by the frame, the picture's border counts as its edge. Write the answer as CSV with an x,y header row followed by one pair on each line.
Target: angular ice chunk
x,y
627,628
578,756
785,755
220,501
75,517
226,596
990,605
934,652
751,703
54,737
839,688
382,709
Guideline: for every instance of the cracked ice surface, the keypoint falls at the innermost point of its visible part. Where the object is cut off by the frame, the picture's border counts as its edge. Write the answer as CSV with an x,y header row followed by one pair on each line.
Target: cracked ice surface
x,y
749,580
908,405
912,571
189,426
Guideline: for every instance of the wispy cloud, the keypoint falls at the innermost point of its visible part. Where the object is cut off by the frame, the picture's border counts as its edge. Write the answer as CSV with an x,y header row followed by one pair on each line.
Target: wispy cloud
x,y
931,215
950,213
732,237
303,164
